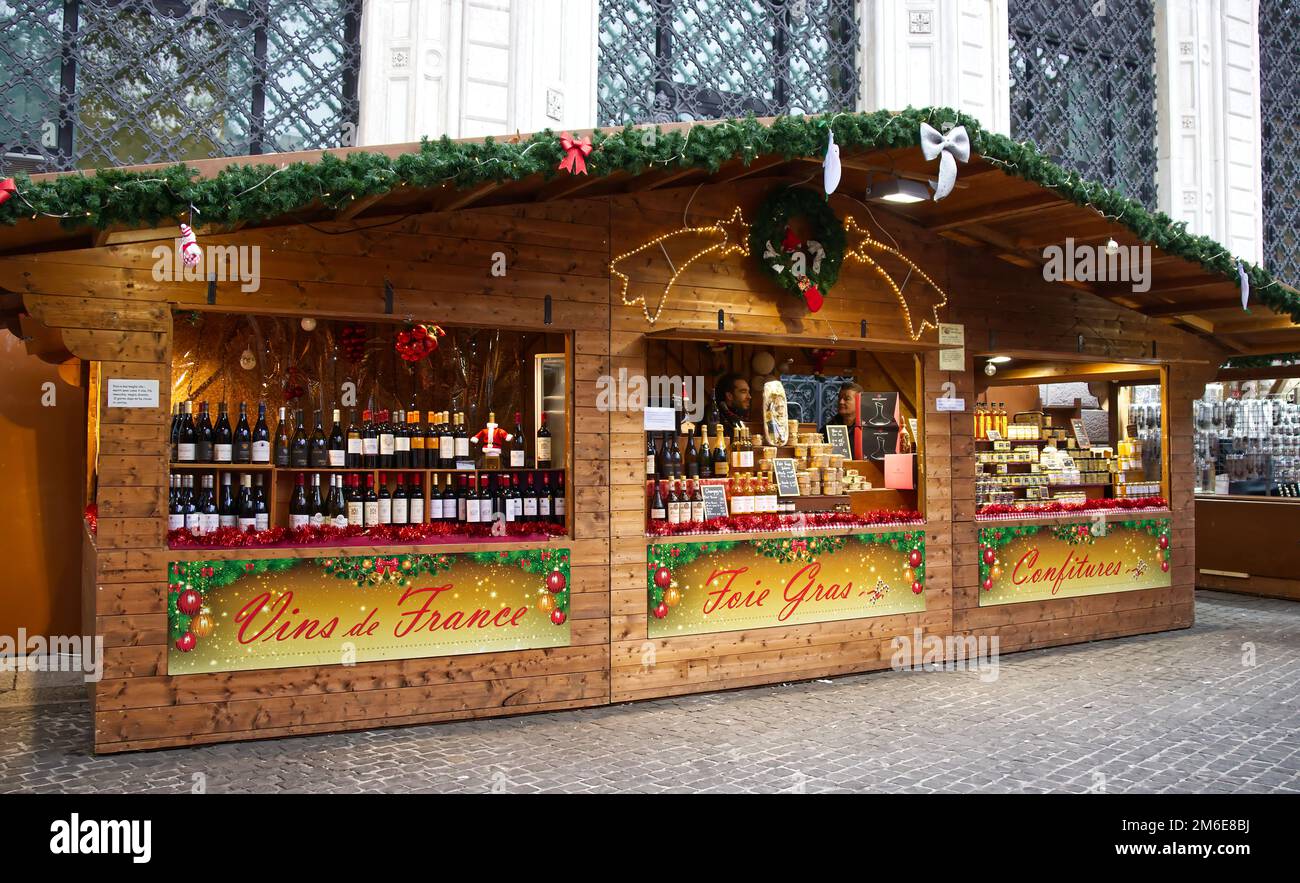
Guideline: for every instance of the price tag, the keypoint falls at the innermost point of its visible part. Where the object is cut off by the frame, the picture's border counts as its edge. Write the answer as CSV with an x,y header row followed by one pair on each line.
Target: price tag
x,y
1080,432
715,500
993,435
838,438
947,404
466,465
660,420
787,480
127,393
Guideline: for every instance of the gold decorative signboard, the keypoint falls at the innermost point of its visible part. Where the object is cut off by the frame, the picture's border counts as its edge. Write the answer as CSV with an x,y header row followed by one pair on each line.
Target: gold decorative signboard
x,y
282,612
1032,562
730,585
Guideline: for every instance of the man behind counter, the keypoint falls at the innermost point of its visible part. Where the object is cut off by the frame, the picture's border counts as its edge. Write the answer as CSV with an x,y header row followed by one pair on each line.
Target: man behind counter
x,y
732,395
847,414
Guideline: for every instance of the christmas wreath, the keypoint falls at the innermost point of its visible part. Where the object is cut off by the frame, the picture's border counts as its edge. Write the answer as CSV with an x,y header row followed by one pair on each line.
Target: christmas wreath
x,y
806,267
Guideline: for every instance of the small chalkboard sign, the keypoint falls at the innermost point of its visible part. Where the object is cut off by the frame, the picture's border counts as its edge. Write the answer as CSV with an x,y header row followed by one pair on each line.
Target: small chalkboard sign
x,y
837,437
1080,432
787,480
715,500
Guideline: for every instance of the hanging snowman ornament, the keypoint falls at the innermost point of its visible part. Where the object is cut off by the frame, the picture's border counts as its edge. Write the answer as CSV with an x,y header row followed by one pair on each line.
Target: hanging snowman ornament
x,y
189,247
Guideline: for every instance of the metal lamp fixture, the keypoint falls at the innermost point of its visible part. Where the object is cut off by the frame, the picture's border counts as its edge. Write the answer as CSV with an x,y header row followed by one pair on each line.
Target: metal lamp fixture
x,y
897,190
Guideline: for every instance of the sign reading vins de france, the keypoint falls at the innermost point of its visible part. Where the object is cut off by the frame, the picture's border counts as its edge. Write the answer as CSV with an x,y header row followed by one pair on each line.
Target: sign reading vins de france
x,y
235,615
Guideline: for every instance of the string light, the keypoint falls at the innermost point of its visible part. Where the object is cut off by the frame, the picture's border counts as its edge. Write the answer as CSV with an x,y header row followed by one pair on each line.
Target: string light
x,y
851,226
722,249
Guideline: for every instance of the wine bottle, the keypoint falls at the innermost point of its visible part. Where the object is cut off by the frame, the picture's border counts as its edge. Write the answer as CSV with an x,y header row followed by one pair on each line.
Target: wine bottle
x,y
211,517
173,434
316,505
229,515
243,437
517,453
462,501
185,436
471,502
203,436
300,445
697,503
401,506
530,500
401,441
385,433
432,454
446,442
559,507
721,467
462,438
247,505
355,456
416,435
415,501
262,514
658,511
355,505
338,452
318,449
281,441
544,499
704,458
542,447
299,515
692,458
175,509
370,502
651,456
223,437
261,437
385,503
369,440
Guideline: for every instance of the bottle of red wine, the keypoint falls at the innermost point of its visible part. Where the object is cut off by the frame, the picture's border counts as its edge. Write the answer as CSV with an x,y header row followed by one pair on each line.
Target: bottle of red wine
x,y
300,447
223,438
385,504
401,441
401,502
369,440
462,501
226,506
544,499
517,452
299,514
247,505
658,511
337,451
355,504
559,506
282,442
339,508
386,446
316,504
261,437
530,500
173,433
542,449
318,448
355,456
415,505
185,436
203,436
243,437
370,502
259,504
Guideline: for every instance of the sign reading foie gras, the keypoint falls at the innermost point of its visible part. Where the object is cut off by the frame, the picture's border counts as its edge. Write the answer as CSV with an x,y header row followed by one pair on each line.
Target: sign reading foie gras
x,y
282,612
1039,562
730,585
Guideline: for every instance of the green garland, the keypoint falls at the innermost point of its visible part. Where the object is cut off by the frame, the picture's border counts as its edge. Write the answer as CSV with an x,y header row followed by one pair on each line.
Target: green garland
x,y
769,229
205,576
245,193
1074,533
1287,360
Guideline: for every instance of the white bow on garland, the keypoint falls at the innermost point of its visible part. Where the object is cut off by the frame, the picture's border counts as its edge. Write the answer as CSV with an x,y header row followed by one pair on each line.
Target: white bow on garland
x,y
948,148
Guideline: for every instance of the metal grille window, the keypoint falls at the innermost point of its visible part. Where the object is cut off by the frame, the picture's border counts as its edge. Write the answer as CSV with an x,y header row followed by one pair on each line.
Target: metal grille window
x,y
92,83
680,60
1279,59
1083,87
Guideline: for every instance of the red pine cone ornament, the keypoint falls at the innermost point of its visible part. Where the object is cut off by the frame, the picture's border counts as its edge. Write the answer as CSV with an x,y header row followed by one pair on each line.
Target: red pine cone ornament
x,y
418,341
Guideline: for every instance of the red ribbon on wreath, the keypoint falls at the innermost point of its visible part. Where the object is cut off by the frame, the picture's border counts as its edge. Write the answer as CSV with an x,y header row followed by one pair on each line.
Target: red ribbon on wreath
x,y
385,565
575,152
418,341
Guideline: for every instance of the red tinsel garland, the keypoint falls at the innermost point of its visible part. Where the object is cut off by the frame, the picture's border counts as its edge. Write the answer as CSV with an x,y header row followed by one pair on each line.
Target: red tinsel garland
x,y
1053,507
230,537
92,518
776,521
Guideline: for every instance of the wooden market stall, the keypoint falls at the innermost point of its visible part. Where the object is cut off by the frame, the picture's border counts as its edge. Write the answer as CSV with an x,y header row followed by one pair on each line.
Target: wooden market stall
x,y
659,263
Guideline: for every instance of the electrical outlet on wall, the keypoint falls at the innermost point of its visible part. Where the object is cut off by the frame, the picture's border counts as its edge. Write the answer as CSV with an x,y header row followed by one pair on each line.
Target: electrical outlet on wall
x,y
554,104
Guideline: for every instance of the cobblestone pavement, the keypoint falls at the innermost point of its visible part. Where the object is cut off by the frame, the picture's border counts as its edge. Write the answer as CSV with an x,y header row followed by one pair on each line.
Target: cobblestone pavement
x,y
1178,711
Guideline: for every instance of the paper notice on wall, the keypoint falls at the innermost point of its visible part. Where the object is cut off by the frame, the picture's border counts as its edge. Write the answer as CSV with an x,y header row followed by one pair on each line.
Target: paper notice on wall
x,y
952,335
947,404
129,393
660,420
952,359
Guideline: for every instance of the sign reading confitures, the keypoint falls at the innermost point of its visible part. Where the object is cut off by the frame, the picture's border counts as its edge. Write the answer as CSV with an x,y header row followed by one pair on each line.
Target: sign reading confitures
x,y
1033,562
730,585
237,615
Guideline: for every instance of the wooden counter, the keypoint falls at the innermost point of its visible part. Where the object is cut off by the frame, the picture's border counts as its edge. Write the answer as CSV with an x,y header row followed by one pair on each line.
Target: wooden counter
x,y
1249,545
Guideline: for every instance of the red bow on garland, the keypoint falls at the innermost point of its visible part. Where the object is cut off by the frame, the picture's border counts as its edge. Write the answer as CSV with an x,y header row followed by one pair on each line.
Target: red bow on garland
x,y
7,189
385,565
575,152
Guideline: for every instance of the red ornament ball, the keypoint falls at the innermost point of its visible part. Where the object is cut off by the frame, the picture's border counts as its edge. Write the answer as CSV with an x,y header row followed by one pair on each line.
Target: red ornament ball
x,y
186,642
989,557
663,577
914,557
1164,541
189,602
916,587
1164,565
555,582
661,610
557,616
988,584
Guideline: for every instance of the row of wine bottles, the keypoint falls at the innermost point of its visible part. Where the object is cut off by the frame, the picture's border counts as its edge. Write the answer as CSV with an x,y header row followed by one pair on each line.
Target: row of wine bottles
x,y
665,457
353,499
382,440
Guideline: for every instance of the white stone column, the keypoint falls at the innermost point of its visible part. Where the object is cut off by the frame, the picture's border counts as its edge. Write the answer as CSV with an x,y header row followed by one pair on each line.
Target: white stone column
x,y
469,68
951,53
1210,165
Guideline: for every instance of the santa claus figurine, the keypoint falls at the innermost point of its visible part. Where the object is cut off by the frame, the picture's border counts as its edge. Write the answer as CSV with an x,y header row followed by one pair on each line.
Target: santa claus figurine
x,y
491,438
